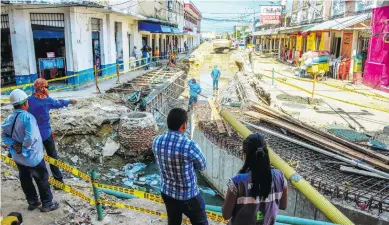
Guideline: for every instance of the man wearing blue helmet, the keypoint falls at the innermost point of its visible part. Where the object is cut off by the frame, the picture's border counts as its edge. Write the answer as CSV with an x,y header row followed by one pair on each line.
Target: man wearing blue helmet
x,y
215,74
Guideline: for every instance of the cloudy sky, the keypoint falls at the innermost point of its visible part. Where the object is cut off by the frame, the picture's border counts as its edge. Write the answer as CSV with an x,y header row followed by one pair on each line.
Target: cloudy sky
x,y
216,13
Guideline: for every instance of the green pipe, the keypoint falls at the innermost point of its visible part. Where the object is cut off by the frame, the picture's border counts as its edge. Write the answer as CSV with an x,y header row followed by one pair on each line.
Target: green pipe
x,y
280,218
117,194
96,193
322,203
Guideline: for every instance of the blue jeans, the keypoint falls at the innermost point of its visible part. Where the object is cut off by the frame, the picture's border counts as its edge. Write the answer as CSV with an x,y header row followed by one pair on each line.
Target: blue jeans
x,y
41,176
193,208
192,99
215,83
52,152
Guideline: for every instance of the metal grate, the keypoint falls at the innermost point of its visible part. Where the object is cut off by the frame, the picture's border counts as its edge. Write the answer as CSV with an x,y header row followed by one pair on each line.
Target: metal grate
x,y
4,21
48,19
324,174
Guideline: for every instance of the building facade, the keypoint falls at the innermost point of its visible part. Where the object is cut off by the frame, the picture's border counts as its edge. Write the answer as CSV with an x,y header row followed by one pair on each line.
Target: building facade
x,y
53,39
340,27
192,23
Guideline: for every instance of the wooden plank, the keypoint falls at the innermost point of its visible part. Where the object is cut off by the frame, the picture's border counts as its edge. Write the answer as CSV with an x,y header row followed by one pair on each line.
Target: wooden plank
x,y
323,141
340,141
216,116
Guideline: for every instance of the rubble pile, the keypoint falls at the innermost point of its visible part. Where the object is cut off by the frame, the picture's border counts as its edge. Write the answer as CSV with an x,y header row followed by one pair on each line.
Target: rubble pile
x,y
136,133
86,116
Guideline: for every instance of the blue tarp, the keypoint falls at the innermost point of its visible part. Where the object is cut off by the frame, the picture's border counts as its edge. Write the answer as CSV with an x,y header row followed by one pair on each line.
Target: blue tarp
x,y
48,34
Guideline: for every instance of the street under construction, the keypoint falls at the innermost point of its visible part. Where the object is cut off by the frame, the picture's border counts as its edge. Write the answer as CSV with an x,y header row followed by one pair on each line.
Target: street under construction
x,y
331,178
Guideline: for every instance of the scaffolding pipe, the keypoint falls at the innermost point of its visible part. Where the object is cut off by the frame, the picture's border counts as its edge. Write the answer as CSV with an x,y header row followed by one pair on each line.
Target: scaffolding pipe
x,y
325,206
352,162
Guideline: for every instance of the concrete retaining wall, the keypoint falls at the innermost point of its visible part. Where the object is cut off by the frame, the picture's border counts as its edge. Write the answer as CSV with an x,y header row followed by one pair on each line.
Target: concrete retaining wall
x,y
221,166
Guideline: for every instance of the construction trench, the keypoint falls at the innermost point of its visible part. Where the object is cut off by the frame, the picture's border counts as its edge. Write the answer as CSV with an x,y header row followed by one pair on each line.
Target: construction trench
x,y
107,132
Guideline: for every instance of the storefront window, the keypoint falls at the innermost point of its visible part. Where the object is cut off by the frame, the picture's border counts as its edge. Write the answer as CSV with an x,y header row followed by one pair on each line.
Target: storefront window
x,y
363,5
338,7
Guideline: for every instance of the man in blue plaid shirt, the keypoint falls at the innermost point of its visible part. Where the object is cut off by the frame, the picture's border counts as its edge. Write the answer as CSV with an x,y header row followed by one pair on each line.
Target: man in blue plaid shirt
x,y
178,158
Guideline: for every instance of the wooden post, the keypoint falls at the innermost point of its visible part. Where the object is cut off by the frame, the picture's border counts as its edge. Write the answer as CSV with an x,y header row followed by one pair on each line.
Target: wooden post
x,y
96,81
118,73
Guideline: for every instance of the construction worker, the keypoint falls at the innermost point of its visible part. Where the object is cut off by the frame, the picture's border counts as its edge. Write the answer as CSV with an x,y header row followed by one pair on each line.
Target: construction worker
x,y
194,91
178,157
215,74
21,134
40,106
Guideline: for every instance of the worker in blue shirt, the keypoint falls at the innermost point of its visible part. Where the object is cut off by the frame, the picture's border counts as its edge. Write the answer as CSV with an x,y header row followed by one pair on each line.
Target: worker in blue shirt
x,y
40,106
194,91
21,134
215,74
178,158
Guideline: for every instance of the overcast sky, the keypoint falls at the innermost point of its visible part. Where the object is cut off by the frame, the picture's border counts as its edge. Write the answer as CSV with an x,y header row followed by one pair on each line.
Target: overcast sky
x,y
227,9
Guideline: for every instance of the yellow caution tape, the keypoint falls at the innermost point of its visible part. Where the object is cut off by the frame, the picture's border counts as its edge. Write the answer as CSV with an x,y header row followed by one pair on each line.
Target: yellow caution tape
x,y
325,96
139,194
67,168
334,86
136,193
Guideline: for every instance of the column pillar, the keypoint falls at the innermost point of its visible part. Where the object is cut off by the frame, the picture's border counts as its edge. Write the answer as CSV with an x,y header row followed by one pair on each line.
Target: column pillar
x,y
22,46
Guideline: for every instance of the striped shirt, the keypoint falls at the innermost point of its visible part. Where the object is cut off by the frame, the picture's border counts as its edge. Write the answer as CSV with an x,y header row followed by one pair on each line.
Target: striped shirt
x,y
178,158
247,207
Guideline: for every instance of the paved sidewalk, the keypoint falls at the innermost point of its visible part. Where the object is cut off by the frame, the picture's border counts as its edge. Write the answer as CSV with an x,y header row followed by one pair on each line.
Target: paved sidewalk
x,y
358,107
104,85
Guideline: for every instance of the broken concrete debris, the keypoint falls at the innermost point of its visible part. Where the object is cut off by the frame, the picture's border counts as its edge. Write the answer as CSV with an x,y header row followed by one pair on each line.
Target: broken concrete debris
x,y
110,147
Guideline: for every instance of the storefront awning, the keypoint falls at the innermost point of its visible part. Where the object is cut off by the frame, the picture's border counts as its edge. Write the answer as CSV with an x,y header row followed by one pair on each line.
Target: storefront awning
x,y
341,23
266,32
176,30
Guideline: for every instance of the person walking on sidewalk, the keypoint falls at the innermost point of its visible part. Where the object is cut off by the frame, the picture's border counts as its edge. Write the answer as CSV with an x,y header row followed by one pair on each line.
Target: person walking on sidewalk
x,y
186,48
215,74
21,134
40,106
156,55
257,187
178,158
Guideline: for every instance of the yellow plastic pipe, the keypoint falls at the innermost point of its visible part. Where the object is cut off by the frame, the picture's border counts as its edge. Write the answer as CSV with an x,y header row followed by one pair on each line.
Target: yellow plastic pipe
x,y
325,206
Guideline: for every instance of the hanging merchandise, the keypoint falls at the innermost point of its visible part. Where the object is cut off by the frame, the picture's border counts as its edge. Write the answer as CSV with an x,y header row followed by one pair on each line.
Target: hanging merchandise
x,y
311,42
299,43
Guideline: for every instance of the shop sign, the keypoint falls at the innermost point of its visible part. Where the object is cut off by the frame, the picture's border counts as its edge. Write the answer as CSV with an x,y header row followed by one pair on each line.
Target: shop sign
x,y
270,15
299,43
347,38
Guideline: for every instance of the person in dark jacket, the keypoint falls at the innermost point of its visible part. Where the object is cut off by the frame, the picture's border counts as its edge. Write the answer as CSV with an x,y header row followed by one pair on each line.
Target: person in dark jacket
x,y
257,187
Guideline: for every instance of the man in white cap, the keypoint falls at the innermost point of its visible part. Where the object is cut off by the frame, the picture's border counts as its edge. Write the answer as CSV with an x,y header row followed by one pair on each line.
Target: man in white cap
x,y
21,134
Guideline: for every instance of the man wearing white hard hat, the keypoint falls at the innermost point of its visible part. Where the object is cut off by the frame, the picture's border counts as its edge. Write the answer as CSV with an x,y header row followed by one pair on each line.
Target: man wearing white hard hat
x,y
21,134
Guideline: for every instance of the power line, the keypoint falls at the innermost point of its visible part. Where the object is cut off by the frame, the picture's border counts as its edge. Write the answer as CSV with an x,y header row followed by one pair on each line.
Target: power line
x,y
121,3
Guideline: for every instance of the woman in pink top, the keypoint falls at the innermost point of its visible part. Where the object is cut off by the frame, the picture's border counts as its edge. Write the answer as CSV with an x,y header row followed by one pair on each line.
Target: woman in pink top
x,y
257,187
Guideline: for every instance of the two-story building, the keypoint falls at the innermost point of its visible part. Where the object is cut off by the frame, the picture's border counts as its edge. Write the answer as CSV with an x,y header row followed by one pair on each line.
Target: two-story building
x,y
340,27
192,22
54,39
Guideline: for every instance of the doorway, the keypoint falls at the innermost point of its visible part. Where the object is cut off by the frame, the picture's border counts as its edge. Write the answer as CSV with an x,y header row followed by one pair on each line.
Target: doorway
x,y
49,43
336,43
7,64
96,44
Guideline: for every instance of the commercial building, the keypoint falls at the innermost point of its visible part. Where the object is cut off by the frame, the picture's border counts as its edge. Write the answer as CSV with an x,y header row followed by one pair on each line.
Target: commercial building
x,y
54,38
192,23
340,27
